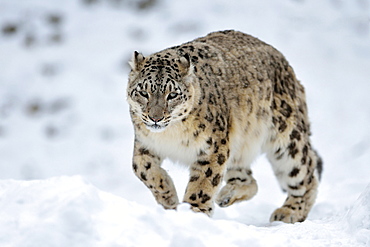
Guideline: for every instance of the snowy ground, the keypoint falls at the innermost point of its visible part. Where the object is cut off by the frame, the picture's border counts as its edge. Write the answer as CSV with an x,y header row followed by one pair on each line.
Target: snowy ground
x,y
66,138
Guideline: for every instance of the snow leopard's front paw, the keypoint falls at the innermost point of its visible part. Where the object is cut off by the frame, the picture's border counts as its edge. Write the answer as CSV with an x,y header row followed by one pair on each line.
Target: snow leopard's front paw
x,y
167,200
206,209
286,215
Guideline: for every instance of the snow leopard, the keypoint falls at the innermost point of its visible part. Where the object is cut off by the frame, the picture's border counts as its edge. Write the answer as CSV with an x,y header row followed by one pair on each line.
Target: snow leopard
x,y
215,104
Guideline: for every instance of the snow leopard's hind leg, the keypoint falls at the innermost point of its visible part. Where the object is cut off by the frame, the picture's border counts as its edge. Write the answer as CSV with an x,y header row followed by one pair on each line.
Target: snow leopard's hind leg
x,y
240,184
295,163
298,170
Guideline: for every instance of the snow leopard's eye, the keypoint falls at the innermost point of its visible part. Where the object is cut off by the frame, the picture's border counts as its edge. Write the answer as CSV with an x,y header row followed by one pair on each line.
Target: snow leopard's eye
x,y
144,94
172,96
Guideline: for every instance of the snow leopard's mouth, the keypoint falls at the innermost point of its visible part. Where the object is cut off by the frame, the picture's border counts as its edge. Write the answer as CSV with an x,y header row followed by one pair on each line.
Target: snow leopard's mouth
x,y
155,127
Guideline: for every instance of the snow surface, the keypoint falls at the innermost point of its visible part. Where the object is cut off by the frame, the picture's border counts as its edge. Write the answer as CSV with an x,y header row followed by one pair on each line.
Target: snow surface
x,y
66,137
68,211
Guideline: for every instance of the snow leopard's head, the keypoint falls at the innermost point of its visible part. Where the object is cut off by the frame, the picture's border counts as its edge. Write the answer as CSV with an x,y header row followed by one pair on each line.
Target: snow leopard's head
x,y
160,90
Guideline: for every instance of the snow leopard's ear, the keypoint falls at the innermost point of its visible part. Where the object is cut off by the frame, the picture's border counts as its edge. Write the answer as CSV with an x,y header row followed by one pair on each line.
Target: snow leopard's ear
x,y
136,61
185,65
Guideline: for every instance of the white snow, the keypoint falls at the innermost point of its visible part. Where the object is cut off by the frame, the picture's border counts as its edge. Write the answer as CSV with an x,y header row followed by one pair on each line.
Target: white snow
x,y
66,137
68,211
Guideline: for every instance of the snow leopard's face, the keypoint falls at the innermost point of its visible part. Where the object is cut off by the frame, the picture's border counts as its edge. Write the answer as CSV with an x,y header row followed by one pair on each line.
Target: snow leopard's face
x,y
159,91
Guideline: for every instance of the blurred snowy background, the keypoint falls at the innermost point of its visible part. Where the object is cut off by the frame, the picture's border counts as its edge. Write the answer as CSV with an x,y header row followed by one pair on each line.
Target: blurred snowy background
x,y
63,110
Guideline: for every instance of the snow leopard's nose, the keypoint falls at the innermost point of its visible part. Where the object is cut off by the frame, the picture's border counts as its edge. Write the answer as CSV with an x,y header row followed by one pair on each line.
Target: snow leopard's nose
x,y
155,119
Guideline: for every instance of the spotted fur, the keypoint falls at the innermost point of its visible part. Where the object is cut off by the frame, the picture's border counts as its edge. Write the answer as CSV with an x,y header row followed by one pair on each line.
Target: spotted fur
x,y
215,104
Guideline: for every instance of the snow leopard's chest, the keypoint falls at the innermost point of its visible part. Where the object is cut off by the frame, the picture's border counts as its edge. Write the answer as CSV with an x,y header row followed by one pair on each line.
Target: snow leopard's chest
x,y
177,144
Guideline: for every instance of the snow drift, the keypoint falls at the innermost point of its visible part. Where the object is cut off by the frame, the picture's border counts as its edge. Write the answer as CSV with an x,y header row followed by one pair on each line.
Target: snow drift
x,y
68,211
